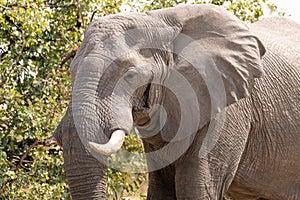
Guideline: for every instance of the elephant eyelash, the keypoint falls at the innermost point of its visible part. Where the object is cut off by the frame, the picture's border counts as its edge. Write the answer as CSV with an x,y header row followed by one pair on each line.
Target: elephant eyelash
x,y
128,69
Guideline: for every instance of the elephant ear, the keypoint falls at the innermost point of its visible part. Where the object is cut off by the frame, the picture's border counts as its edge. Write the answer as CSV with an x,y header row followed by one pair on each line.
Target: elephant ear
x,y
210,35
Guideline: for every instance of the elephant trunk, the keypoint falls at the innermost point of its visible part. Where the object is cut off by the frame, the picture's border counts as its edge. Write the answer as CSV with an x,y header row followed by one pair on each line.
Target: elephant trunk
x,y
97,114
86,175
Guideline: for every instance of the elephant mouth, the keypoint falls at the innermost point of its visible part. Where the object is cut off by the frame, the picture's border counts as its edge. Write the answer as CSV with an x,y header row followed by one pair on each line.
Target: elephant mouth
x,y
141,109
141,116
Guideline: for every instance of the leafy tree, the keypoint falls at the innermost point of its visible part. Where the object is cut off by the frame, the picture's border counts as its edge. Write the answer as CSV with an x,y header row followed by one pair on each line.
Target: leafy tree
x,y
42,36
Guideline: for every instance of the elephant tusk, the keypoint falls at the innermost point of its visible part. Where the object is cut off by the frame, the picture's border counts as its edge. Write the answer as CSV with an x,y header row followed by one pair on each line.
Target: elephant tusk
x,y
113,145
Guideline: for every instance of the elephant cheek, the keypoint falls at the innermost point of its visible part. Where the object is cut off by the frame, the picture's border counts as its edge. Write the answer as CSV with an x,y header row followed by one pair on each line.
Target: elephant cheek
x,y
122,114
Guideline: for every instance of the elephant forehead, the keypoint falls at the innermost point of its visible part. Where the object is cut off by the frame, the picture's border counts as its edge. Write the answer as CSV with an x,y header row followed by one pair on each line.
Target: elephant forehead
x,y
135,28
117,23
114,36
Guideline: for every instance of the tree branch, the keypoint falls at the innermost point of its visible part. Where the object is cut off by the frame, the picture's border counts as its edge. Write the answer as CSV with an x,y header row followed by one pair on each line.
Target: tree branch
x,y
80,16
19,54
68,57
4,7
26,153
93,15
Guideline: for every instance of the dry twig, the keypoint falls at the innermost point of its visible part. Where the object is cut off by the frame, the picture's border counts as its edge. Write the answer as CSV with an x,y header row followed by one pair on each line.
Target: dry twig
x,y
26,153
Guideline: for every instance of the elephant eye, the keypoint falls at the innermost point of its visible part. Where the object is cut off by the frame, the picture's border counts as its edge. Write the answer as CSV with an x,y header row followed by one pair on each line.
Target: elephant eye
x,y
146,53
130,75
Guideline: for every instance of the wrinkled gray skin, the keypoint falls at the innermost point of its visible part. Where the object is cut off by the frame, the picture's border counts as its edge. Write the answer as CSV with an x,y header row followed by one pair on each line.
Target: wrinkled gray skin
x,y
257,154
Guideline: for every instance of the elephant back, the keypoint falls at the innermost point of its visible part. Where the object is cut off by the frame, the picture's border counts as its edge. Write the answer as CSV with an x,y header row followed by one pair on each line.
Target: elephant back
x,y
281,35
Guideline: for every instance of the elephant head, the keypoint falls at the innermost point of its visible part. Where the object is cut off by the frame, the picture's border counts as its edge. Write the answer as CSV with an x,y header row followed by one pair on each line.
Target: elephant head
x,y
152,71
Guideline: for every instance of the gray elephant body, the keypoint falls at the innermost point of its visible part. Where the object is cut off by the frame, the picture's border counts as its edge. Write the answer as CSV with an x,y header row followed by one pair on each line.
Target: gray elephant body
x,y
257,153
247,146
270,163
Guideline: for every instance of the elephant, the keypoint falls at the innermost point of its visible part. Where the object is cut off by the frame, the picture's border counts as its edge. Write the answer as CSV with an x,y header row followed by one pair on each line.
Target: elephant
x,y
215,101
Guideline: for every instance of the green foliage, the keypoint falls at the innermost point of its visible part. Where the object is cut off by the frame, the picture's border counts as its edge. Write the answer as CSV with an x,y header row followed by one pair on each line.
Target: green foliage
x,y
120,181
249,10
34,92
246,10
35,89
